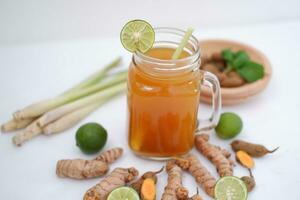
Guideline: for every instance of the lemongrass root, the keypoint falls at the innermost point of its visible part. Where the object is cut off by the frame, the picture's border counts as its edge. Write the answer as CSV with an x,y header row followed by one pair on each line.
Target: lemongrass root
x,y
94,98
13,124
29,132
96,77
40,108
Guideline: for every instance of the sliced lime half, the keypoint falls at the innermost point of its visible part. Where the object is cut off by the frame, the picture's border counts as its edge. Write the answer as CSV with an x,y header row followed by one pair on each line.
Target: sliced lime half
x,y
123,193
230,188
137,35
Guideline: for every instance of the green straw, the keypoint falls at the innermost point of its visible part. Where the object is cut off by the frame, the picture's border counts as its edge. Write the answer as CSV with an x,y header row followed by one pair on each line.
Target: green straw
x,y
183,43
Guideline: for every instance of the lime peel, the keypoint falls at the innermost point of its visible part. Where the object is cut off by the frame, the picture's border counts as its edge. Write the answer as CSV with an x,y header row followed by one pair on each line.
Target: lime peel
x,y
230,187
123,193
137,35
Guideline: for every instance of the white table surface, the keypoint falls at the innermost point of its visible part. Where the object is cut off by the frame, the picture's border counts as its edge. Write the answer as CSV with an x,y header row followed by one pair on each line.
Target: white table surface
x,y
37,71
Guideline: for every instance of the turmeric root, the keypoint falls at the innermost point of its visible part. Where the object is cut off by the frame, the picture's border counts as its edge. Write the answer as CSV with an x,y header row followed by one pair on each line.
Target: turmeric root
x,y
225,152
174,181
110,156
151,175
245,159
117,178
182,193
202,176
222,163
84,169
148,189
249,181
81,169
254,150
196,196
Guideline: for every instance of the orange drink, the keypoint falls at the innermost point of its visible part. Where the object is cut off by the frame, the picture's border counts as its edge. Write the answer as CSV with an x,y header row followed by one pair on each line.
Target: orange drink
x,y
163,98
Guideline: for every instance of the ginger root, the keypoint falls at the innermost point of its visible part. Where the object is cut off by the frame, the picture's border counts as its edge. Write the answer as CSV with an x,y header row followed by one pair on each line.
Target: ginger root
x,y
245,159
202,176
117,178
84,169
223,164
148,189
174,181
148,175
254,150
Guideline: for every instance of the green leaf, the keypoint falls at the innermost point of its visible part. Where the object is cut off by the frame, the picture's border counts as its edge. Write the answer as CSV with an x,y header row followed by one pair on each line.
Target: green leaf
x,y
240,58
251,71
227,55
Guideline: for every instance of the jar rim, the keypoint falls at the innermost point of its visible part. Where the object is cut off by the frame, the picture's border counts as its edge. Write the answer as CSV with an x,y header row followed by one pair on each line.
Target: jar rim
x,y
193,57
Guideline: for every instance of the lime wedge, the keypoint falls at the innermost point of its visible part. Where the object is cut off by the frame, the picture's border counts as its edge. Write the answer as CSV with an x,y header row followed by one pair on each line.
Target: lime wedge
x,y
123,193
230,188
137,35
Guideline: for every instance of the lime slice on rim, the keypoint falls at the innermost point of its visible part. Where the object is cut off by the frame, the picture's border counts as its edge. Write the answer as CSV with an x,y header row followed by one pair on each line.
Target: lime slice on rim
x,y
137,35
123,193
230,188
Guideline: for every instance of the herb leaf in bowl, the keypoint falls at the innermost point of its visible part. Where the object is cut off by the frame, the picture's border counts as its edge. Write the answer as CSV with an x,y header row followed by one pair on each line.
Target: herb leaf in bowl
x,y
227,55
251,71
240,58
240,61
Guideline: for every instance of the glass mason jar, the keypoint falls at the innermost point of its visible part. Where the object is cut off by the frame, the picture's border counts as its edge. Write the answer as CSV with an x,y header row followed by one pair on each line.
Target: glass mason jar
x,y
163,98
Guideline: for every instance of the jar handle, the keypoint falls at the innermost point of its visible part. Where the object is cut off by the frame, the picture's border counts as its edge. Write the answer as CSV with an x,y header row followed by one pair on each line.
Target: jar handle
x,y
211,81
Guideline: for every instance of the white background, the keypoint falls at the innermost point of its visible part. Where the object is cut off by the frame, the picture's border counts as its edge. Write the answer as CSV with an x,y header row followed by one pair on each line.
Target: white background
x,y
48,46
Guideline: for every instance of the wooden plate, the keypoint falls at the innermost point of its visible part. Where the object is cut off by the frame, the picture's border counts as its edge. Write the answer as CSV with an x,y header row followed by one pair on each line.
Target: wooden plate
x,y
240,94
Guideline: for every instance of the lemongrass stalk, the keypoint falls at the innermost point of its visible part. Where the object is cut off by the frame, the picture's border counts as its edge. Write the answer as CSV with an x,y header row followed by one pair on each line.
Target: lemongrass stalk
x,y
32,130
70,107
41,107
182,44
96,77
13,124
72,118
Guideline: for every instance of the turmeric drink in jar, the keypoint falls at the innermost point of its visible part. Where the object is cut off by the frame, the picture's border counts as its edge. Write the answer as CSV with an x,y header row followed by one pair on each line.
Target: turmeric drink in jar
x,y
163,96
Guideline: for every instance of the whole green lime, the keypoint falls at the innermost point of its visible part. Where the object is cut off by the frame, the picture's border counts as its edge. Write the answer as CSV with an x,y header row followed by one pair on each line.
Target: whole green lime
x,y
229,126
91,138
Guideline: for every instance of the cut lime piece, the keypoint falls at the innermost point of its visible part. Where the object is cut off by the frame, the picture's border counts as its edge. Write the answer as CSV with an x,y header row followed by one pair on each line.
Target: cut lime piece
x,y
230,188
123,193
137,35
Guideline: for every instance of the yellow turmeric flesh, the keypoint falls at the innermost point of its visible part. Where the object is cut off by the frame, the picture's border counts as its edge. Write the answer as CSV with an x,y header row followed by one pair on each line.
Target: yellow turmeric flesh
x,y
117,178
148,189
245,159
218,157
147,175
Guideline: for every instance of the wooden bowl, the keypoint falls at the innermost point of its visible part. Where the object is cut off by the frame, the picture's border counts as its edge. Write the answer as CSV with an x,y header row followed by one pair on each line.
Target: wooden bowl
x,y
240,94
